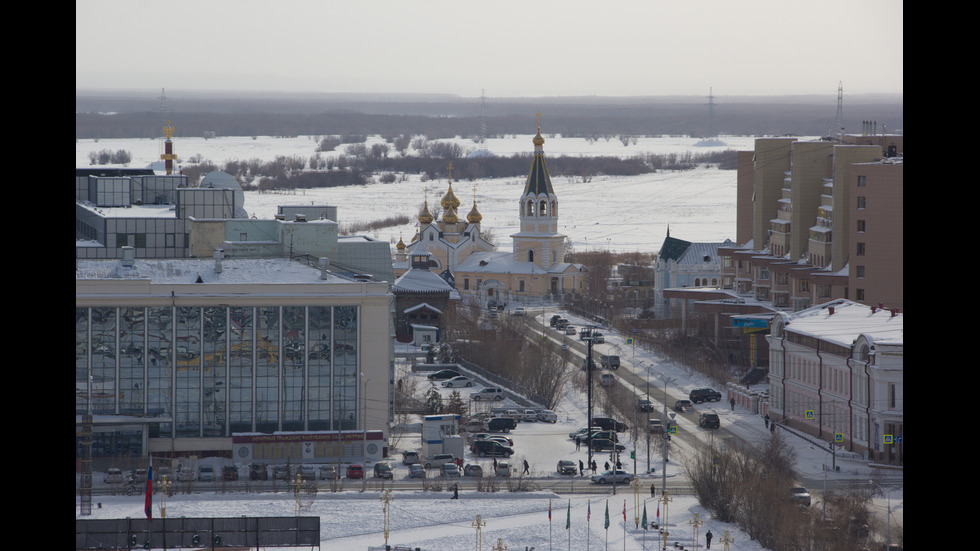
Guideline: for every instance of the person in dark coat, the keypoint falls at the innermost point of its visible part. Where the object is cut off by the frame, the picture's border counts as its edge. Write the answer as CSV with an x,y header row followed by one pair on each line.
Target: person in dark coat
x,y
653,490
707,539
455,491
526,466
581,468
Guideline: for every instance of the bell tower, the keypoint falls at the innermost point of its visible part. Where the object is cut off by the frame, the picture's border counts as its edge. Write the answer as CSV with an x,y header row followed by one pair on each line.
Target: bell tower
x,y
538,240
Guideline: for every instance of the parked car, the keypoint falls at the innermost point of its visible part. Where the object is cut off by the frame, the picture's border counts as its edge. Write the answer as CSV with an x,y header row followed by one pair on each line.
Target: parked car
x,y
443,375
500,438
355,471
258,471
597,338
281,472
229,473
519,311
619,477
494,304
475,425
566,466
607,379
644,405
488,393
704,395
597,433
162,472
709,420
547,416
606,423
383,470
410,458
473,470
416,471
554,319
683,405
438,460
529,415
113,476
308,472
457,381
205,473
329,472
605,444
579,432
501,424
503,468
488,448
800,495
449,469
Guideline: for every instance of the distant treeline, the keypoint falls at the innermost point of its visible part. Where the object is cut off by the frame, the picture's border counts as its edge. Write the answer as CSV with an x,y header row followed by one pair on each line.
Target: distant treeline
x,y
299,173
107,117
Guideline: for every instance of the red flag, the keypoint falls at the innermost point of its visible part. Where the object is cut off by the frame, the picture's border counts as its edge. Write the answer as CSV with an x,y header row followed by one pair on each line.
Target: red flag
x,y
148,502
624,510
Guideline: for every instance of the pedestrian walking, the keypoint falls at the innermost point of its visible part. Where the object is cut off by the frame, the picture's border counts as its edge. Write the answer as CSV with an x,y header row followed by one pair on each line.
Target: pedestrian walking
x,y
607,466
772,427
732,401
455,491
653,490
526,467
581,468
494,464
578,444
766,419
707,539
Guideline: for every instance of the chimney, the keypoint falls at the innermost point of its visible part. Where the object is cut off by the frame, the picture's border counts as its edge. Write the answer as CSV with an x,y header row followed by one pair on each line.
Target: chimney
x,y
219,253
301,218
324,264
128,257
830,310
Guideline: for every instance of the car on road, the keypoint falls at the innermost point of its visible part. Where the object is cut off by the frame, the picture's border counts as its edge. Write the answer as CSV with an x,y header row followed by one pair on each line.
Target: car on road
x,y
457,381
605,444
329,472
410,458
598,433
597,338
519,311
474,470
554,319
699,395
644,405
488,393
608,477
383,470
683,405
355,471
609,361
655,426
416,471
709,420
800,495
449,469
547,416
566,466
439,459
607,379
608,423
569,329
579,432
444,375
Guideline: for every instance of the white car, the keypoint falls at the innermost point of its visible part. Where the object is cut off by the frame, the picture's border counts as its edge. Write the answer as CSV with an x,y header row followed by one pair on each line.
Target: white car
x,y
489,393
529,415
457,381
547,416
520,311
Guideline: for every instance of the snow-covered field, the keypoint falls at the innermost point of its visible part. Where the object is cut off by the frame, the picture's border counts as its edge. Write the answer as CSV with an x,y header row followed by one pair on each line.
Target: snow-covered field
x,y
624,214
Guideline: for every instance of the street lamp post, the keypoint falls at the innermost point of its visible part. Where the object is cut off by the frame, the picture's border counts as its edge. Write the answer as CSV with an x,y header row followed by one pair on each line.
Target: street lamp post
x,y
364,429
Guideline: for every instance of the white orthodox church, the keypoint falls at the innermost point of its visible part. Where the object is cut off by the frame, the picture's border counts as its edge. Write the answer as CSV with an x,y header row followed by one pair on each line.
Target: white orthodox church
x,y
536,266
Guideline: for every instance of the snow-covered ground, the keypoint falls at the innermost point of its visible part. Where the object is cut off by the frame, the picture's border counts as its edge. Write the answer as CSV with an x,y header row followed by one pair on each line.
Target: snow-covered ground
x,y
431,521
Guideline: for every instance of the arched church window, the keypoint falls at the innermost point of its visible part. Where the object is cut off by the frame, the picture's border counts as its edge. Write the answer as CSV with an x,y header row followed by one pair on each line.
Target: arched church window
x,y
530,256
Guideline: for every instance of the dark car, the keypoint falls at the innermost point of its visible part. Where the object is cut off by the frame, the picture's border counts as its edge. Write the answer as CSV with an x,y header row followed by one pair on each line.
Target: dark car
x,y
444,375
487,448
566,466
709,421
605,423
704,395
644,405
258,471
501,424
229,472
382,470
604,444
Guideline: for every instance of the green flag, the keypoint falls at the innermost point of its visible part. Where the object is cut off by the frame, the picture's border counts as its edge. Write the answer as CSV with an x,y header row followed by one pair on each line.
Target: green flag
x,y
607,514
568,516
644,523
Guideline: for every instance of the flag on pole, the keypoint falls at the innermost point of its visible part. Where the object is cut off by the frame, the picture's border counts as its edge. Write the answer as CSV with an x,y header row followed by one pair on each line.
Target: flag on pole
x,y
624,510
607,515
568,516
588,517
148,501
549,510
658,513
644,523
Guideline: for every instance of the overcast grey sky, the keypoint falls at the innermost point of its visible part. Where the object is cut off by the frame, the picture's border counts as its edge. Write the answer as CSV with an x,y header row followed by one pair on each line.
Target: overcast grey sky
x,y
502,47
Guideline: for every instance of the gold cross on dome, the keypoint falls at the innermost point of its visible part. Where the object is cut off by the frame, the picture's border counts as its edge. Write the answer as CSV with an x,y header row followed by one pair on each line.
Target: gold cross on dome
x,y
450,171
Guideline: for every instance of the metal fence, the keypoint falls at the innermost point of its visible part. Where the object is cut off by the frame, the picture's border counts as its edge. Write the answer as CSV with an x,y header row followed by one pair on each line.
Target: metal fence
x,y
207,533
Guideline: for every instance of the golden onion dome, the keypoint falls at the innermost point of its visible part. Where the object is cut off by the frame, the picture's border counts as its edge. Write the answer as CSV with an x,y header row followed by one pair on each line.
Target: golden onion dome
x,y
474,217
450,216
425,217
538,139
401,244
450,199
